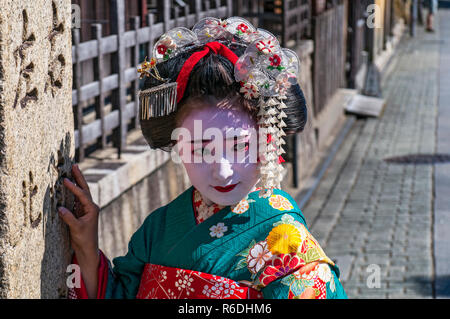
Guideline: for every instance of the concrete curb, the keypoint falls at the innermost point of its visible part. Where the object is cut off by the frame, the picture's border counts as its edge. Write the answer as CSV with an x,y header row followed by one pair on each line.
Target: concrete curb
x,y
442,171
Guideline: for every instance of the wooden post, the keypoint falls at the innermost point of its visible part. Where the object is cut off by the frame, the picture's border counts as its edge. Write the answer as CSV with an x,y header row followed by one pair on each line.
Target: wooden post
x,y
238,10
144,12
186,15
393,19
353,32
166,15
285,27
79,110
309,15
150,19
230,8
254,8
99,74
176,11
370,40
329,17
119,63
372,82
387,23
198,9
135,23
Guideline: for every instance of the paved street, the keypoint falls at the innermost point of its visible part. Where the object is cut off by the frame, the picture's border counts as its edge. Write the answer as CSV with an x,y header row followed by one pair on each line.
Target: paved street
x,y
371,215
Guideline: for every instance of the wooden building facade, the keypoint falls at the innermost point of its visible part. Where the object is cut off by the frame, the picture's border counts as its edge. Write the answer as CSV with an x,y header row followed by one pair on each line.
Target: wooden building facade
x,y
116,35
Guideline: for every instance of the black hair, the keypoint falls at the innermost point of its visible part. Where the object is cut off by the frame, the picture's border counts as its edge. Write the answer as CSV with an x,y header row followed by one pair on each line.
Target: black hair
x,y
213,75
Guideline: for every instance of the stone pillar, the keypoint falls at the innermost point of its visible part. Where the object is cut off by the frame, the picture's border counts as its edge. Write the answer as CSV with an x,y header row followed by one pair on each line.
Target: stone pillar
x,y
36,146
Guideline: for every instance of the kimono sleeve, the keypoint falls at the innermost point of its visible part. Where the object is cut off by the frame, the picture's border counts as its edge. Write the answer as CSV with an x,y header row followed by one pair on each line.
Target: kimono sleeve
x,y
300,286
298,267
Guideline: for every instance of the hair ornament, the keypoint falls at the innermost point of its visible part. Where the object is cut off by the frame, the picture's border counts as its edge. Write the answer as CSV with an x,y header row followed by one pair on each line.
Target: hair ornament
x,y
265,72
148,68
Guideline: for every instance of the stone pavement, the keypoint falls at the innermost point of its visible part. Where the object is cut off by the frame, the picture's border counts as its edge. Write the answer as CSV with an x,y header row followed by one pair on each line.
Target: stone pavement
x,y
376,219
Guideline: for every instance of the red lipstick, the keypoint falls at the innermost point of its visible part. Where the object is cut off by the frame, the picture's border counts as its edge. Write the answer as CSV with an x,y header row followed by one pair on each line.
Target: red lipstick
x,y
225,189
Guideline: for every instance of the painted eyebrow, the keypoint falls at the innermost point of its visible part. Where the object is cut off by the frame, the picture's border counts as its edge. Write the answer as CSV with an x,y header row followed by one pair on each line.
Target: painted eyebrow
x,y
200,141
235,138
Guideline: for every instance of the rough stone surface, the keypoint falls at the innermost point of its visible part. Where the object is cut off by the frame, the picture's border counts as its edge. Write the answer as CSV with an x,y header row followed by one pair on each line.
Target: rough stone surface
x,y
36,145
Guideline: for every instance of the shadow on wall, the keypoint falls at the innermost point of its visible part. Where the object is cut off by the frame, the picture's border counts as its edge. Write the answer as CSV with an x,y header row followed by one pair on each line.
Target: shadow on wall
x,y
442,286
57,251
124,215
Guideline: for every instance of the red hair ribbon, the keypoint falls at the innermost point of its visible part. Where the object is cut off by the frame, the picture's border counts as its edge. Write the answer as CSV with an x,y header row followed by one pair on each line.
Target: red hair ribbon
x,y
217,48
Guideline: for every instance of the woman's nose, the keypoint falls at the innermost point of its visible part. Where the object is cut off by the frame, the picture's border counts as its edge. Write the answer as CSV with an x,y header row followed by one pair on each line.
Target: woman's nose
x,y
222,170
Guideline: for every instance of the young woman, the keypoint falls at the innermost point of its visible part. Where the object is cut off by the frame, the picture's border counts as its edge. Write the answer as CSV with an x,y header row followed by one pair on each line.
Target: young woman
x,y
221,97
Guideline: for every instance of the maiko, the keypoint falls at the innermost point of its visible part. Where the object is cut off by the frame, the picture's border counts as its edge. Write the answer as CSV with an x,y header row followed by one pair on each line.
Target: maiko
x,y
195,309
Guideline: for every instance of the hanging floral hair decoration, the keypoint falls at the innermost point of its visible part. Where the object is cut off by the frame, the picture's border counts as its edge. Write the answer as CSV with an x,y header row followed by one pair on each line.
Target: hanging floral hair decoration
x,y
265,72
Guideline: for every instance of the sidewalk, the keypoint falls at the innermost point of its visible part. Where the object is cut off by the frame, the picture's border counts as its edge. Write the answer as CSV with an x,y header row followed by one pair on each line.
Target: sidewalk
x,y
366,211
442,172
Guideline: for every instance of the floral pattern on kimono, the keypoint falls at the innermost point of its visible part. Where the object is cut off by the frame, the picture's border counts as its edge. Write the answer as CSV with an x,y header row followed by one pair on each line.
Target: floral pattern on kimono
x,y
172,283
290,258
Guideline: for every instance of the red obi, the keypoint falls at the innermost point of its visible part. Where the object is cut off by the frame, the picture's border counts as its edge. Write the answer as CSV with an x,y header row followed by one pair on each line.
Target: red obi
x,y
161,282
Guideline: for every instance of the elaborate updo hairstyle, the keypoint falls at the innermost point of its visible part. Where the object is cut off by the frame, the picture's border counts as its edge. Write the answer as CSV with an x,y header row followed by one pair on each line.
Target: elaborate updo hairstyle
x,y
213,75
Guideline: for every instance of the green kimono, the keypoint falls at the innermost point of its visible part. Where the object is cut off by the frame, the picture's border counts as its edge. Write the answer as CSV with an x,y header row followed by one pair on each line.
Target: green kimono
x,y
262,242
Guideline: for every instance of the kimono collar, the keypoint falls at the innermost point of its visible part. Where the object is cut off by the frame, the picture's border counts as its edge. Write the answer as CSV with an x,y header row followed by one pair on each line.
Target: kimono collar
x,y
201,210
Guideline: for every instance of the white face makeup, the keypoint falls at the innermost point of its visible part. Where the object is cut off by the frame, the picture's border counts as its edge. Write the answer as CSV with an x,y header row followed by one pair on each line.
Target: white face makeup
x,y
222,164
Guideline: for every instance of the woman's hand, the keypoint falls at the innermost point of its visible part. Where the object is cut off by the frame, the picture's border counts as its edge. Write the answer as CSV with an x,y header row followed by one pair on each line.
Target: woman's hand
x,y
83,225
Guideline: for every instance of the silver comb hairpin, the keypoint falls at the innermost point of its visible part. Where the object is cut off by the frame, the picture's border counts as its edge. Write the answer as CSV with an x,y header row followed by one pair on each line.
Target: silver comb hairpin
x,y
158,101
